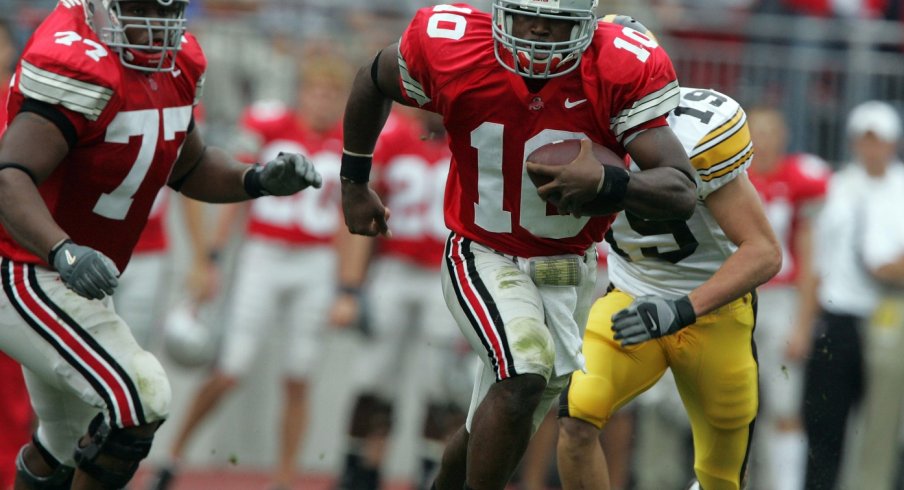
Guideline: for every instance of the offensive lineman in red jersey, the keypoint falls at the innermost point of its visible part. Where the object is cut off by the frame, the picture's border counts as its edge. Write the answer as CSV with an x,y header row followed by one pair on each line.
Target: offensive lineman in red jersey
x,y
518,276
101,119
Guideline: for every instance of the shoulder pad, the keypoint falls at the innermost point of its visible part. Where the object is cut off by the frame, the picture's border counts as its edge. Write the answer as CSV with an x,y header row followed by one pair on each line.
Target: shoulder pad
x,y
65,64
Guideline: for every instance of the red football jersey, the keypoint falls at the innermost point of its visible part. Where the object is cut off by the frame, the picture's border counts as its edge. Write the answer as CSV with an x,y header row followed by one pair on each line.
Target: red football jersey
x,y
130,127
410,175
625,83
153,238
797,181
306,217
4,94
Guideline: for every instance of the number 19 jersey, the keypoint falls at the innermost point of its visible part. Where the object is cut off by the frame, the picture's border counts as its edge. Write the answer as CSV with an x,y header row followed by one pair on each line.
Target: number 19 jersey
x,y
671,258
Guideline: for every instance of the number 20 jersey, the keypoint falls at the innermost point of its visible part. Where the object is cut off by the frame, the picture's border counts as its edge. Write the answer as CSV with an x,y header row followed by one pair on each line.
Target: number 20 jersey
x,y
671,258
625,83
129,129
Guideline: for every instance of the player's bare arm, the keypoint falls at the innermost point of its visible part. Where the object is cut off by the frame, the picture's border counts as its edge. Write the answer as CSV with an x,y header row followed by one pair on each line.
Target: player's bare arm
x,y
209,174
30,150
374,89
664,188
737,209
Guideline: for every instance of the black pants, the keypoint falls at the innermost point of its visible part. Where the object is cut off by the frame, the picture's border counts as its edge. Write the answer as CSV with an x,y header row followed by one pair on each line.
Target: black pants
x,y
833,383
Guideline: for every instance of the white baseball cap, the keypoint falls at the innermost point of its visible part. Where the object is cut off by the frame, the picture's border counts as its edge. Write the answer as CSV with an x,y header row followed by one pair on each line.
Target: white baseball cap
x,y
875,117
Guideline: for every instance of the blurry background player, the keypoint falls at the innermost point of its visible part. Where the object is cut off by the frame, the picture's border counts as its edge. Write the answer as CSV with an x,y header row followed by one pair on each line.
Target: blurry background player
x,y
405,305
15,408
791,187
859,252
283,283
681,298
145,288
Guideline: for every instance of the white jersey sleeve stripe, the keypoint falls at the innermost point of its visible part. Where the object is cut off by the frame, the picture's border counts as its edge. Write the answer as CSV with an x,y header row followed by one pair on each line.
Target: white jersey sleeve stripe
x,y
85,98
654,105
412,87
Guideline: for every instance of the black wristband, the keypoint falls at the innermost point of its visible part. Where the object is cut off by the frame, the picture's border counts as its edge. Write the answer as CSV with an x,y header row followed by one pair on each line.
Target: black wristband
x,y
349,291
56,248
252,182
355,168
615,183
686,315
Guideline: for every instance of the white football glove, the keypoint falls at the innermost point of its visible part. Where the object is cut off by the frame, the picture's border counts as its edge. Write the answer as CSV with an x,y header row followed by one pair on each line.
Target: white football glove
x,y
287,174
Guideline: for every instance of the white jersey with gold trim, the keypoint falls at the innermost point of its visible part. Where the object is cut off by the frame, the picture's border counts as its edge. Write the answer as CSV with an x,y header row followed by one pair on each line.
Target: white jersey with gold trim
x,y
671,258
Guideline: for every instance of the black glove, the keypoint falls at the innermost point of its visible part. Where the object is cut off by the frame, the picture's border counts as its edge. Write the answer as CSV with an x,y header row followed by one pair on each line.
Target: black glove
x,y
285,175
651,317
84,270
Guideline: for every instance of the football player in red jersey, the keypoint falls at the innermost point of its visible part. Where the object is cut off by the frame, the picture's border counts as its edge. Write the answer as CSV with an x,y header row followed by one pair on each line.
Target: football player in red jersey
x,y
519,266
101,119
792,188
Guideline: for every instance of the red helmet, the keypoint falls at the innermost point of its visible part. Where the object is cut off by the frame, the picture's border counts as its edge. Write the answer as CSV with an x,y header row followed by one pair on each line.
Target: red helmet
x,y
163,32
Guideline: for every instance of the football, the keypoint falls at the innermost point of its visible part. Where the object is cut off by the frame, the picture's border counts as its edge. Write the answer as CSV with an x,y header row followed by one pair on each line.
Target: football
x,y
563,152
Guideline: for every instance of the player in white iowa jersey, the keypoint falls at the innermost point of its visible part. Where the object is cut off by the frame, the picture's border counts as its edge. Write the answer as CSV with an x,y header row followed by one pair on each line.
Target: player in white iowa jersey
x,y
681,297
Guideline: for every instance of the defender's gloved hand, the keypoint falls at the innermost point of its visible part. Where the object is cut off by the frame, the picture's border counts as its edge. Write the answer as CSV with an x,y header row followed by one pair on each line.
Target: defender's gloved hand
x,y
285,175
651,317
84,270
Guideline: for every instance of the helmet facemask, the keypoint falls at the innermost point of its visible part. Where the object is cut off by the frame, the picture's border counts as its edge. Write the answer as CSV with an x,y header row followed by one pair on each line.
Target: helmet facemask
x,y
542,59
164,34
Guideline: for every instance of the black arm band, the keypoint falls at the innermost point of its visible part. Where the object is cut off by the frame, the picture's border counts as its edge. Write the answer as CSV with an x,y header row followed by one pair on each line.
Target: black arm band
x,y
375,73
355,168
53,114
56,248
252,182
615,183
21,167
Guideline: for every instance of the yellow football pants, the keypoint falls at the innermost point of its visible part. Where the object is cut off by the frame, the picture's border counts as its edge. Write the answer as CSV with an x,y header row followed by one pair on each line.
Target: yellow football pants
x,y
715,368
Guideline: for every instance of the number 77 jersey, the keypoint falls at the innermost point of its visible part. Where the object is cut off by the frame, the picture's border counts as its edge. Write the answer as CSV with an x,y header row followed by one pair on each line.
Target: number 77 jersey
x,y
625,83
670,258
125,129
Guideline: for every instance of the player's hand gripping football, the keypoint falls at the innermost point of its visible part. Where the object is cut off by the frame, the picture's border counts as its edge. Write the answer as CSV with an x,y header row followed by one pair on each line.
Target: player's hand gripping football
x,y
84,270
572,185
287,174
651,317
364,212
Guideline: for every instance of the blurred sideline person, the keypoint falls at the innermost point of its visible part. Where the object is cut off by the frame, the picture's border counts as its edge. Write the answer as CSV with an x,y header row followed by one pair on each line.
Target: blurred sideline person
x,y
520,267
283,281
143,293
15,411
405,306
681,297
791,187
101,120
859,251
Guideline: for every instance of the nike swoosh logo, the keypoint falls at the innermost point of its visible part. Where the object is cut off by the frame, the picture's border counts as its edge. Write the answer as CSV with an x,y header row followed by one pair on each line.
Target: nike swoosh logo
x,y
571,105
176,73
70,259
655,325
